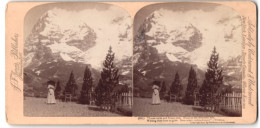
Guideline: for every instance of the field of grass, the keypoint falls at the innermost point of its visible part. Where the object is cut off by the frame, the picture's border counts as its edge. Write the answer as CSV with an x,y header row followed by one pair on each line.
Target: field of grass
x,y
37,107
143,107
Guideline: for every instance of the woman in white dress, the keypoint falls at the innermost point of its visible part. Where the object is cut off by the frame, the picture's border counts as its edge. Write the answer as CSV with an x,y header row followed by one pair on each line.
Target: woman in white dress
x,y
51,96
156,96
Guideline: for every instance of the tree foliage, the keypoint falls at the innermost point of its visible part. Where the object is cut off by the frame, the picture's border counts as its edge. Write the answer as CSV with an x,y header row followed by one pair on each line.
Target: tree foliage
x,y
213,80
176,87
86,86
204,94
71,85
191,87
57,89
163,90
108,81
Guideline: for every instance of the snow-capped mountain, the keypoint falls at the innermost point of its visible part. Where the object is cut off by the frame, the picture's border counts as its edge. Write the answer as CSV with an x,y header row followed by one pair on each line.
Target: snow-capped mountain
x,y
190,38
176,44
48,41
78,39
168,42
62,41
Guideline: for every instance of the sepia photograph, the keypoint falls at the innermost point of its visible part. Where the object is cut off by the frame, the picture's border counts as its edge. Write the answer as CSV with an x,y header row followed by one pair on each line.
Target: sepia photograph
x,y
187,61
77,60
131,63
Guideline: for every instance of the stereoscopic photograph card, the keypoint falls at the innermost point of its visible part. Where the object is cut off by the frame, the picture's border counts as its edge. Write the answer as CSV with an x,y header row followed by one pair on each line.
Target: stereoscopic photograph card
x,y
131,62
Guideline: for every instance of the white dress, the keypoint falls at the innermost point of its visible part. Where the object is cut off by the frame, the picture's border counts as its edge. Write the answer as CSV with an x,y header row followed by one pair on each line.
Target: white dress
x,y
51,96
155,97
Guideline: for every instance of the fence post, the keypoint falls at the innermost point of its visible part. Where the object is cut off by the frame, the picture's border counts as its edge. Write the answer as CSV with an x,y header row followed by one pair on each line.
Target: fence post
x,y
120,99
131,98
125,99
234,99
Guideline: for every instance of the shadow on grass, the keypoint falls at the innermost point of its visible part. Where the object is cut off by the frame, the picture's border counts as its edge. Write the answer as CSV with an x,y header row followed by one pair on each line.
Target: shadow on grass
x,y
200,109
224,112
95,108
124,111
121,111
154,104
230,112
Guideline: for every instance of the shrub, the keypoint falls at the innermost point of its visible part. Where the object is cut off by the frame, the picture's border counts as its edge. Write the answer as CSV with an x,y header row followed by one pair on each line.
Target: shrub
x,y
83,99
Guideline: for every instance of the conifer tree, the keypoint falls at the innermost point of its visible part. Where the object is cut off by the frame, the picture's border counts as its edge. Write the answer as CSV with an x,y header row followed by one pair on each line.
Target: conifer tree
x,y
163,90
100,93
204,94
57,89
213,80
192,85
71,85
86,86
108,81
176,87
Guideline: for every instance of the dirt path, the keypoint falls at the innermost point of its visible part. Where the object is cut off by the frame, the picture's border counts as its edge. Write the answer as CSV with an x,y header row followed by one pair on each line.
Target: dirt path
x,y
143,107
37,107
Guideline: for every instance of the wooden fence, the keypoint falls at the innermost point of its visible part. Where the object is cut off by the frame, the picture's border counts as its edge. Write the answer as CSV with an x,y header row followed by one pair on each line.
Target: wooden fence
x,y
232,101
124,99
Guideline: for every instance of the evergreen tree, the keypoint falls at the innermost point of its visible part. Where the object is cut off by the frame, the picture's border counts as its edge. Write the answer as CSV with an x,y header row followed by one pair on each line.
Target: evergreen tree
x,y
204,94
163,90
71,85
213,79
57,89
86,86
109,79
192,85
176,87
100,93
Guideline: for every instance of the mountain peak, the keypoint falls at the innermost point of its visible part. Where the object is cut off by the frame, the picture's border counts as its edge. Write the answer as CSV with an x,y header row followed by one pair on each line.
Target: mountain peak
x,y
77,36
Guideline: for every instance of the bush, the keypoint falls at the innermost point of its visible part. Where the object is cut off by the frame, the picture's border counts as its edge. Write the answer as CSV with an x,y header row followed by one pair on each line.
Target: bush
x,y
188,101
74,98
83,99
167,97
